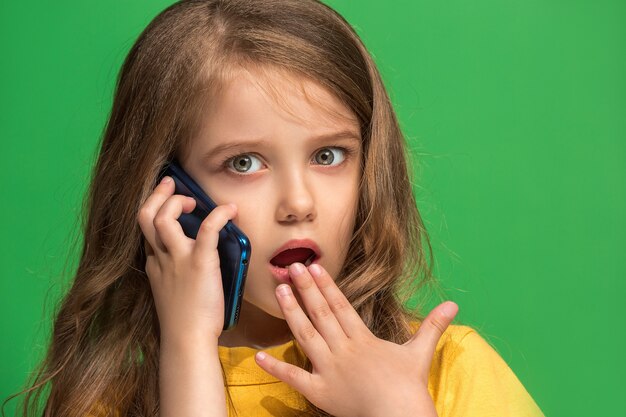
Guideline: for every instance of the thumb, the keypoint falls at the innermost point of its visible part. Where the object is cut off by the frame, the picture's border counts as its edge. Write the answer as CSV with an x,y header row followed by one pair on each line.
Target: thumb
x,y
431,329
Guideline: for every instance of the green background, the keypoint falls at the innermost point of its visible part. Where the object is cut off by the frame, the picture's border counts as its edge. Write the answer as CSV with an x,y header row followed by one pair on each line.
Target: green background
x,y
516,115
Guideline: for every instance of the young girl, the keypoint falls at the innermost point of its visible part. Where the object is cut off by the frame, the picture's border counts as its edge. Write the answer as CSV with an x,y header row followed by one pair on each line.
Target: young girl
x,y
277,110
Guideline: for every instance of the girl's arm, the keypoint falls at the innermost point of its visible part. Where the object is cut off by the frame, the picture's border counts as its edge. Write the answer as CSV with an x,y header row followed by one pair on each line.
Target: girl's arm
x,y
190,378
186,284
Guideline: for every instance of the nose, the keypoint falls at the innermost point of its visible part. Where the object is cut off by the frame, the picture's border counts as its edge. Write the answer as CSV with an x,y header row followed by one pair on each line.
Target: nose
x,y
296,201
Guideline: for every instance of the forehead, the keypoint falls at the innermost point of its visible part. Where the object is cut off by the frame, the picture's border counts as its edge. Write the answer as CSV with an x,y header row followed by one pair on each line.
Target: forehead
x,y
263,95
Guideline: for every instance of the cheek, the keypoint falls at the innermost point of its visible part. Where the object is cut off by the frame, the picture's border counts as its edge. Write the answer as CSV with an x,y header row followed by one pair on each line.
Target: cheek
x,y
248,208
344,206
240,194
249,221
338,229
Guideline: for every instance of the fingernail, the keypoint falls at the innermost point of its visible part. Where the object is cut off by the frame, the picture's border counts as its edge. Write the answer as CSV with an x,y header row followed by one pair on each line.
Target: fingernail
x,y
297,268
260,355
166,179
315,270
284,289
233,205
450,309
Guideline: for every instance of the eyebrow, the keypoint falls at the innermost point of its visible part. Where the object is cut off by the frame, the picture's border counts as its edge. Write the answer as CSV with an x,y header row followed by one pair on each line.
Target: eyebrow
x,y
231,146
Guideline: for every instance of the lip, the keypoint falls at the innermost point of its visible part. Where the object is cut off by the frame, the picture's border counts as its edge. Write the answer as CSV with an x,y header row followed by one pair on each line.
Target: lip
x,y
282,274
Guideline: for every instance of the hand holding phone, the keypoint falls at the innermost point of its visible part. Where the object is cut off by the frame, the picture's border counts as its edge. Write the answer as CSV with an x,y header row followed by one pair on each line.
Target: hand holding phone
x,y
233,245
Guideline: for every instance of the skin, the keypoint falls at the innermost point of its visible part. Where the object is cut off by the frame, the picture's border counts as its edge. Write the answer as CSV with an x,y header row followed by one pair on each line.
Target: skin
x,y
289,194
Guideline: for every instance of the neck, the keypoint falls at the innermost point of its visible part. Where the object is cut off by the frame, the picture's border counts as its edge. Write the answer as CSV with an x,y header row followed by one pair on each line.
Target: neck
x,y
256,329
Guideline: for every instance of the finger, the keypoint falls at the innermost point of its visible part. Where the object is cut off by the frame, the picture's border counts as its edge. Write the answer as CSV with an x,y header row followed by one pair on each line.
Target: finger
x,y
321,314
430,331
208,234
152,261
294,376
149,209
348,318
168,229
312,343
147,248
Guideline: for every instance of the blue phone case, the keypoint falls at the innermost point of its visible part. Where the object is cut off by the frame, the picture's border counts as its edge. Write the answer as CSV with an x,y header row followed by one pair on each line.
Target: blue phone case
x,y
233,245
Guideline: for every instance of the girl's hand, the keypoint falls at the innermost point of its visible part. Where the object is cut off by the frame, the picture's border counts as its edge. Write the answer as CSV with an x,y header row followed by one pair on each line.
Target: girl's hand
x,y
354,372
184,273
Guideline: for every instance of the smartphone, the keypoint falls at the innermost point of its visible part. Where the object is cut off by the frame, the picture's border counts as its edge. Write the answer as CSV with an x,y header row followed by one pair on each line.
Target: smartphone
x,y
233,245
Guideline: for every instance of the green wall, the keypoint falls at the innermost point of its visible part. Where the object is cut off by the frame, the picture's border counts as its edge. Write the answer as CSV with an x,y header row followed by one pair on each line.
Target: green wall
x,y
516,114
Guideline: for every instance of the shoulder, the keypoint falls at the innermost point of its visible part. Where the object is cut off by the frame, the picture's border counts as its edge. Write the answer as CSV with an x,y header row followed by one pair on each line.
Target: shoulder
x,y
455,337
462,342
469,378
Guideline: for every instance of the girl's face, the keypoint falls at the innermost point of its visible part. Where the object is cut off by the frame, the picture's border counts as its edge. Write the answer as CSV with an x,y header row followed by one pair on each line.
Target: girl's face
x,y
298,180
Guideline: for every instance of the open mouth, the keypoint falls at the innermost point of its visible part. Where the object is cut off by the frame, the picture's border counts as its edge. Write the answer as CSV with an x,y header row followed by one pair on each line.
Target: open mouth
x,y
305,256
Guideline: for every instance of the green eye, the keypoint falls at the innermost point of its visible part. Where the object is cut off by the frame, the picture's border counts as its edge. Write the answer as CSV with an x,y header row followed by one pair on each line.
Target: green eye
x,y
326,157
243,163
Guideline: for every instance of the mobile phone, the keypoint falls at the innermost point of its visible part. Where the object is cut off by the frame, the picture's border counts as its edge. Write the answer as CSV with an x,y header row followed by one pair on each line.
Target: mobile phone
x,y
233,245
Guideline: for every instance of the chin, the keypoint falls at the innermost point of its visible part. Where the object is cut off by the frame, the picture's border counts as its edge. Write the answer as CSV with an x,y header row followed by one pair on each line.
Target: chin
x,y
272,309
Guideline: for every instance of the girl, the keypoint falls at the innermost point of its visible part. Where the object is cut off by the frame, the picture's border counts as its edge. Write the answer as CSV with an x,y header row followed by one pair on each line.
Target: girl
x,y
277,110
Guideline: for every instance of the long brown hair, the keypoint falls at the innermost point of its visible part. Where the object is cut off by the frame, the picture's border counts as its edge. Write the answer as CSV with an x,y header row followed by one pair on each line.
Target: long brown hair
x,y
105,341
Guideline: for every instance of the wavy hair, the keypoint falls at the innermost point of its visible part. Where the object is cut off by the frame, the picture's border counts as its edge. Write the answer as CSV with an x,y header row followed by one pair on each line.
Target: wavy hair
x,y
104,347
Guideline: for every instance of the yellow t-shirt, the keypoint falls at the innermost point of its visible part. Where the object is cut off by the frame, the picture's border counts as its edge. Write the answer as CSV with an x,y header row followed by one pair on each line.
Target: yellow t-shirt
x,y
467,378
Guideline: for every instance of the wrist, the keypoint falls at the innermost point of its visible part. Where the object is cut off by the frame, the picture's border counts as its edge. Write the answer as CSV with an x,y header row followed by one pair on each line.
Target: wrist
x,y
190,376
418,408
189,342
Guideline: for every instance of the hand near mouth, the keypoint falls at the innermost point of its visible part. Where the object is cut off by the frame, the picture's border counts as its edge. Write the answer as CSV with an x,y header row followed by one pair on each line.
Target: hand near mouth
x,y
354,372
